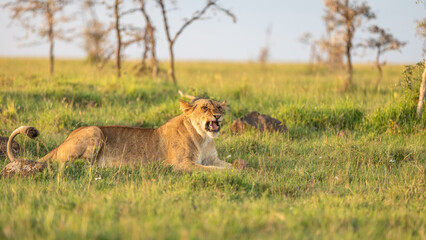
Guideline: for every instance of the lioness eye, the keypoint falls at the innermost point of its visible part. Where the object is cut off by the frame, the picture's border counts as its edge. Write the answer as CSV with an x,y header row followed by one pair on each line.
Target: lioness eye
x,y
220,108
204,108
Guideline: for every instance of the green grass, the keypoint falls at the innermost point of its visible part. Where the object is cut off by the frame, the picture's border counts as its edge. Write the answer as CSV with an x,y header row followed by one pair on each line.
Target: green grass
x,y
305,184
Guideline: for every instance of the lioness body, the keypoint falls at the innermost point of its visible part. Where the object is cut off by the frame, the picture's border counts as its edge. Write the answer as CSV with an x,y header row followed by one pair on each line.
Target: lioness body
x,y
110,146
186,141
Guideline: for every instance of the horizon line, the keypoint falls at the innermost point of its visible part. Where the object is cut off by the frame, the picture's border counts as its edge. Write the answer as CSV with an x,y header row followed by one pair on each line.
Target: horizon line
x,y
199,60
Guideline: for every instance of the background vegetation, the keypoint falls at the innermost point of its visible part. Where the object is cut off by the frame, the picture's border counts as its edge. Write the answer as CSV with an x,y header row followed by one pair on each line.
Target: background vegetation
x,y
307,183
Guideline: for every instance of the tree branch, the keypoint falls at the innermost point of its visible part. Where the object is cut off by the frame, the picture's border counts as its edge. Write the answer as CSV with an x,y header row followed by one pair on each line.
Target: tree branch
x,y
227,12
195,16
166,24
130,11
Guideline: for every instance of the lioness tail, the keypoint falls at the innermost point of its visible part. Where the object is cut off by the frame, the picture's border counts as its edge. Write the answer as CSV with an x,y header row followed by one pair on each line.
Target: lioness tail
x,y
31,132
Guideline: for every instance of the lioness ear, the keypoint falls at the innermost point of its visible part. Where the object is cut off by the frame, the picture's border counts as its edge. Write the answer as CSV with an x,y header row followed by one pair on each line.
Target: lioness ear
x,y
185,107
224,105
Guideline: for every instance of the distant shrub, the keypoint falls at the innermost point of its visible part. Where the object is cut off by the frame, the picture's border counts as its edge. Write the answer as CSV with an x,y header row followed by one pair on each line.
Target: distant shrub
x,y
411,79
402,113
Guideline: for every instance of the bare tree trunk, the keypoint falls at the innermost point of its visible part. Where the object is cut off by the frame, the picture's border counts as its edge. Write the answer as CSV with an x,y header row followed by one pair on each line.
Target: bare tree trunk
x,y
172,64
154,61
170,40
150,30
118,34
196,16
422,94
51,36
51,56
145,51
379,67
312,57
348,80
379,80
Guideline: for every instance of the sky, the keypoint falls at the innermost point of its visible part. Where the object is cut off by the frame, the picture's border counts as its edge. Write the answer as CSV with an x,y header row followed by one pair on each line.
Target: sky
x,y
217,38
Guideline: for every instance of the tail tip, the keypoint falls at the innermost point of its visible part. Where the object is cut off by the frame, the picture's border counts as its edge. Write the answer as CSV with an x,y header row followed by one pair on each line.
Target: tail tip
x,y
32,132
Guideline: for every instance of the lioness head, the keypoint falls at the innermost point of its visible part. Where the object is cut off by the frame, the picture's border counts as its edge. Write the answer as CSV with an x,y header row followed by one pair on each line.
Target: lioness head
x,y
206,115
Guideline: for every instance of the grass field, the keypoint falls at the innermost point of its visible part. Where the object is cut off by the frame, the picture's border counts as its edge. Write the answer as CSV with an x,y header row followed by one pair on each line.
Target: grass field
x,y
304,184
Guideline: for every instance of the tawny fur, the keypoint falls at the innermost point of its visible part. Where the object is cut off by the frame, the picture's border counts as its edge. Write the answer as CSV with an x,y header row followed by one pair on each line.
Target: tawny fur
x,y
183,141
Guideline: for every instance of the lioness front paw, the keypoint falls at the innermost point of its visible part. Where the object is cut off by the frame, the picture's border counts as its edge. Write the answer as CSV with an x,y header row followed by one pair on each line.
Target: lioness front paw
x,y
239,164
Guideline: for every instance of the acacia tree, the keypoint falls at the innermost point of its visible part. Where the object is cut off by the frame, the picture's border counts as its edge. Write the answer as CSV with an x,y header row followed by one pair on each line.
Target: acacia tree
x,y
334,51
121,31
28,12
125,35
308,40
314,45
422,94
345,18
265,50
117,28
95,36
382,43
421,32
331,46
149,41
117,14
196,16
136,35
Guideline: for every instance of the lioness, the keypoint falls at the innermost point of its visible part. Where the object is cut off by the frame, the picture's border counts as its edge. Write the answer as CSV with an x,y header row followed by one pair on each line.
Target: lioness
x,y
186,141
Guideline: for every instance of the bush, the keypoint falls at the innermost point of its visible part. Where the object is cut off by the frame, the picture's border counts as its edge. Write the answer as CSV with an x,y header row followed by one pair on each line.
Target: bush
x,y
402,113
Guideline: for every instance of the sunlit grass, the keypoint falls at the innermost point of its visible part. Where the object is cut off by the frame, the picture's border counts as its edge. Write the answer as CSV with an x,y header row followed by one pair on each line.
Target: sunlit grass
x,y
307,183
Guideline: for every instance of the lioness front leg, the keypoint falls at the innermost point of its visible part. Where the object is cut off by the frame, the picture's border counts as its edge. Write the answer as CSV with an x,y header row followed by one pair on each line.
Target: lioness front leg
x,y
213,160
237,164
219,163
186,162
189,165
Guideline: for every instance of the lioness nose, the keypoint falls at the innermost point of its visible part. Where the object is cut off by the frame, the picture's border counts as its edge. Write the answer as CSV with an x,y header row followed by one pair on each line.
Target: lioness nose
x,y
217,116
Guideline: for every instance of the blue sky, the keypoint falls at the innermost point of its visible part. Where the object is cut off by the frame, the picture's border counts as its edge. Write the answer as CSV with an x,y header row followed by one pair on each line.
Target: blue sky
x,y
217,38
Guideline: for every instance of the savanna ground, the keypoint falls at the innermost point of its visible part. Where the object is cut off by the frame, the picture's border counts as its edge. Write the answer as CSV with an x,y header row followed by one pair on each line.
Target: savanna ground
x,y
307,183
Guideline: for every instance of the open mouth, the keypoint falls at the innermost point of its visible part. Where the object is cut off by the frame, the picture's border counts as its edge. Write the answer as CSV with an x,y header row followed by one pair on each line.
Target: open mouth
x,y
213,126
